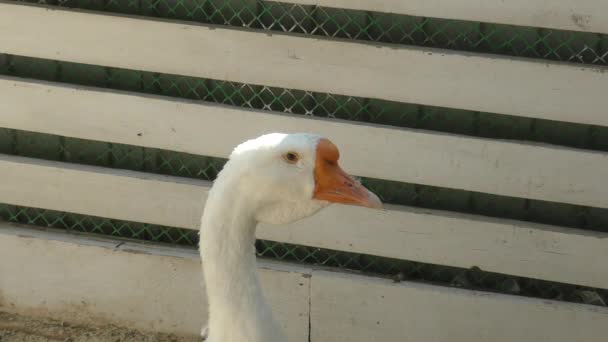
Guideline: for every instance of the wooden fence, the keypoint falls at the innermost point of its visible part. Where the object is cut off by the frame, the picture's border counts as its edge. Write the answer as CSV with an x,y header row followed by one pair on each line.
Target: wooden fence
x,y
314,304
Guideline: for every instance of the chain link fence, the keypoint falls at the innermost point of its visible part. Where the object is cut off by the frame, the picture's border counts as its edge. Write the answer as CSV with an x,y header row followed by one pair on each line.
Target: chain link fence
x,y
312,104
398,270
480,124
152,160
575,47
507,40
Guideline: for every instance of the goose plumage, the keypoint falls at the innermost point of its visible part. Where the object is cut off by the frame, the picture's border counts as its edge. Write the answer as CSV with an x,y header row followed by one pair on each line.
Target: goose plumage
x,y
274,179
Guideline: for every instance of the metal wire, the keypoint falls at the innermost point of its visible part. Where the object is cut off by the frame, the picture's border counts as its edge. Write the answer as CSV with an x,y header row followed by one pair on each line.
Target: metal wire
x,y
312,104
398,270
575,47
308,103
151,160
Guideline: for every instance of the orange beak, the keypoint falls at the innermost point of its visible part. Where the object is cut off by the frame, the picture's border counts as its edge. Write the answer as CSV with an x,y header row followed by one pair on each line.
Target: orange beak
x,y
334,185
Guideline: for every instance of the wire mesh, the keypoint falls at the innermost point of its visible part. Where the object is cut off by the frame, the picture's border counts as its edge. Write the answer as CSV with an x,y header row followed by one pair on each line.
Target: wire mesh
x,y
480,124
398,270
152,160
575,47
97,225
305,103
321,105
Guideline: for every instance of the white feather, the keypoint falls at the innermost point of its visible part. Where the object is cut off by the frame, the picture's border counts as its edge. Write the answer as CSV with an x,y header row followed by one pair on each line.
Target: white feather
x,y
256,185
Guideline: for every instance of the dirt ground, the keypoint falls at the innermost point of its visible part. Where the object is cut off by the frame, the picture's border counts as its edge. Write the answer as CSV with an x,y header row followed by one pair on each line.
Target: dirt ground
x,y
14,328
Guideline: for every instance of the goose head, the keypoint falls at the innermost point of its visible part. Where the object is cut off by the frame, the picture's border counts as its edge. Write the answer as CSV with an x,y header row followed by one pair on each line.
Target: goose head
x,y
287,177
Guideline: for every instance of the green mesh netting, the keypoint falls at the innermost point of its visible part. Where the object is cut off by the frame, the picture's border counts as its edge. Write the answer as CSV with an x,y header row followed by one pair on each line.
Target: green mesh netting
x,y
399,270
461,35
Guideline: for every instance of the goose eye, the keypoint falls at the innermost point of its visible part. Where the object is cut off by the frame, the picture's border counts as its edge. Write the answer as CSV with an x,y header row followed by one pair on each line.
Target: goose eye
x,y
291,157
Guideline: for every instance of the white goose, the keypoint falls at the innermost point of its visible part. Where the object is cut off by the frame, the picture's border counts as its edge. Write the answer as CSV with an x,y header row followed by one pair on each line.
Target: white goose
x,y
276,179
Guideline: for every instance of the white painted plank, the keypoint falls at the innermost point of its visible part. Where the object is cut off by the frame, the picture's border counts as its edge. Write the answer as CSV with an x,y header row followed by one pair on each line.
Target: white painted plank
x,y
525,170
483,83
356,308
511,247
101,192
92,281
497,245
573,15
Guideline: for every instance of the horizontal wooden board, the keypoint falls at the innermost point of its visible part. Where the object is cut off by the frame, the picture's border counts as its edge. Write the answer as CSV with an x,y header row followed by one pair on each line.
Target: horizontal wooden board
x,y
574,15
537,89
512,247
514,169
102,281
360,309
101,192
